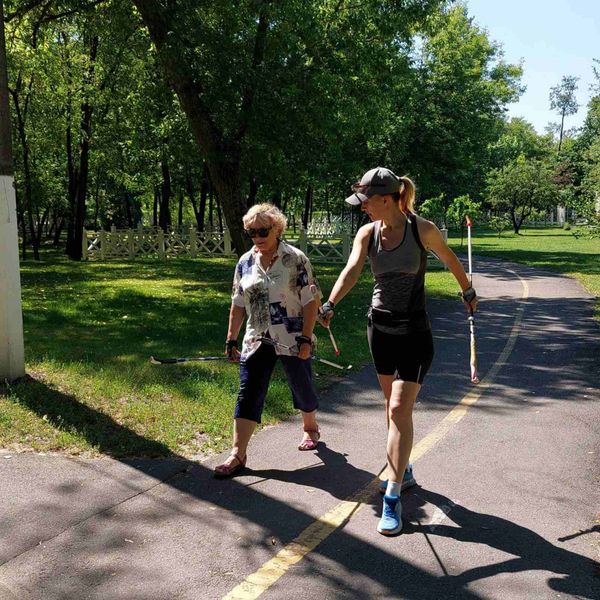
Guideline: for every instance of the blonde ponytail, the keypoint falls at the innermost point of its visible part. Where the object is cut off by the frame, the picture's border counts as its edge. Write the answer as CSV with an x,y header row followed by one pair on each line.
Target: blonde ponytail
x,y
407,195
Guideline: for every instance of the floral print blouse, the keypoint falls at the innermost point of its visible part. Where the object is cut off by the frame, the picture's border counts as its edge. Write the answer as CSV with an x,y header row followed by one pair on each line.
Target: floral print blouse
x,y
274,298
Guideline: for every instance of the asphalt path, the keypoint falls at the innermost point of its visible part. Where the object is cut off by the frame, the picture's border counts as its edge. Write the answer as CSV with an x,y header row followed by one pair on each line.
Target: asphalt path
x,y
507,504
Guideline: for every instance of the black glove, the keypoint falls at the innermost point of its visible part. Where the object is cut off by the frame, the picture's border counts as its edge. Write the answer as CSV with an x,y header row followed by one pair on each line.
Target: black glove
x,y
327,310
469,295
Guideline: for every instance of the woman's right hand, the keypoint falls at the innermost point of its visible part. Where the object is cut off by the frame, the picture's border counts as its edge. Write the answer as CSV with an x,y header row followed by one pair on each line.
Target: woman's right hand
x,y
325,314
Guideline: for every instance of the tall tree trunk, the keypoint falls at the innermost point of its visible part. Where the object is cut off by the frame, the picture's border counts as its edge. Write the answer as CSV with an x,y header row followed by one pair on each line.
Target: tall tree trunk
x,y
84,157
21,114
58,231
189,187
180,211
128,208
222,153
562,127
155,206
42,224
211,206
205,188
307,206
252,192
97,201
219,215
71,183
164,215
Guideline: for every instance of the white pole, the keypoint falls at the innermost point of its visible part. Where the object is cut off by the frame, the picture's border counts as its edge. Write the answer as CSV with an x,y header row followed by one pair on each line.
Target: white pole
x,y
12,362
469,248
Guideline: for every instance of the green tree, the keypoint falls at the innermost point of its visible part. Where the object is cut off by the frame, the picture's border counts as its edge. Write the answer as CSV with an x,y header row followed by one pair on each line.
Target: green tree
x,y
519,138
434,209
460,89
563,100
224,61
458,210
520,187
499,223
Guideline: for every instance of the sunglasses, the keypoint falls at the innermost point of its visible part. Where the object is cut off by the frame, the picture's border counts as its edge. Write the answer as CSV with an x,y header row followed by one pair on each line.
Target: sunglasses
x,y
261,232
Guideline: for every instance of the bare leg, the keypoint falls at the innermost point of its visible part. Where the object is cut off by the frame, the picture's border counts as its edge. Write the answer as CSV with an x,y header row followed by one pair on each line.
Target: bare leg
x,y
309,421
386,381
400,432
242,432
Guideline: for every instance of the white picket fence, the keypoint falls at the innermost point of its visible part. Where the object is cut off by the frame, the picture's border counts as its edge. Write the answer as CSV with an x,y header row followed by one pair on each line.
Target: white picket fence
x,y
155,243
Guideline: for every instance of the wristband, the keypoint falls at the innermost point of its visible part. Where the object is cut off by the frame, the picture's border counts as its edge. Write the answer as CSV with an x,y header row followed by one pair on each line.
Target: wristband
x,y
230,345
303,339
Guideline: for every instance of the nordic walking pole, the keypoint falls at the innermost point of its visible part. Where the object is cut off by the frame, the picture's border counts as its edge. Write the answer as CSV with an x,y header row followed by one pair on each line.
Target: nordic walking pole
x,y
313,289
335,348
471,319
172,361
293,350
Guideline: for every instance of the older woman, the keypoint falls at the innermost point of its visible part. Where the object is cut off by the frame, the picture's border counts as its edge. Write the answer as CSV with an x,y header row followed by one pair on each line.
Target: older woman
x,y
274,287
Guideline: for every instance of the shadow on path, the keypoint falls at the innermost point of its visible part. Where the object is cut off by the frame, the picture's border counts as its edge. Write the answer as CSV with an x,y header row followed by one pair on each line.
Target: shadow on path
x,y
579,575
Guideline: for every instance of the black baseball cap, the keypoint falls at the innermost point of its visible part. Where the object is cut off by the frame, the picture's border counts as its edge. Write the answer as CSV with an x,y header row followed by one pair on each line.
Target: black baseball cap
x,y
379,180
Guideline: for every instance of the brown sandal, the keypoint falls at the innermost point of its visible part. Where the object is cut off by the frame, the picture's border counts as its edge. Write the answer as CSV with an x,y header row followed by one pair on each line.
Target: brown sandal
x,y
310,444
228,470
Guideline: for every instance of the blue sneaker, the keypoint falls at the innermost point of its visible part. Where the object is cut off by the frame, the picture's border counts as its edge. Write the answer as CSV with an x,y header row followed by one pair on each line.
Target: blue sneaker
x,y
408,480
391,516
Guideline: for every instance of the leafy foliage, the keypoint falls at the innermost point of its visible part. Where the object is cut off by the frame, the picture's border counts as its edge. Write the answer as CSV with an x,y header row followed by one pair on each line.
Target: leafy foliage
x,y
520,187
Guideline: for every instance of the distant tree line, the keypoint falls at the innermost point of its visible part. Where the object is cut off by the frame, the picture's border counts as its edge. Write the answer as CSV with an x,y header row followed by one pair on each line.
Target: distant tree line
x,y
179,112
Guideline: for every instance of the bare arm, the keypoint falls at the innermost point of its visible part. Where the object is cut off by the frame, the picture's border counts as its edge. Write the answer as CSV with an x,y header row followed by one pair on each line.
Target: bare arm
x,y
432,239
237,314
356,261
309,318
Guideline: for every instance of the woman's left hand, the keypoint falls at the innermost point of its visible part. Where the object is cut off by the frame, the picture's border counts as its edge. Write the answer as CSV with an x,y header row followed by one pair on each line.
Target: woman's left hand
x,y
471,306
304,351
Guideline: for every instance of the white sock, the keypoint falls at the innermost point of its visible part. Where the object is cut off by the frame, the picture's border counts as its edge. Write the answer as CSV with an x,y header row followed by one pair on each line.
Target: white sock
x,y
393,488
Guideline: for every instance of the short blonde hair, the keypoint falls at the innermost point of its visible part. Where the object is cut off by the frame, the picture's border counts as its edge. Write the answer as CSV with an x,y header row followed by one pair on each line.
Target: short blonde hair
x,y
265,214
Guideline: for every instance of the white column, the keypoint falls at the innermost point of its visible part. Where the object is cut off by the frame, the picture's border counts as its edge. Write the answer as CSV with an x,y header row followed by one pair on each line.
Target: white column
x,y
12,360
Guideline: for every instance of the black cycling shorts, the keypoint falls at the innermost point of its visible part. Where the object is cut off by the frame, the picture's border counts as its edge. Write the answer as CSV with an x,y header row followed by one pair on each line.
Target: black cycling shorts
x,y
407,356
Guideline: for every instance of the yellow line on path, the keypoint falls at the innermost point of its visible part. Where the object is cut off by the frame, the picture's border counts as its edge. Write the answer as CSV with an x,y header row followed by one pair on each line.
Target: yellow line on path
x,y
257,583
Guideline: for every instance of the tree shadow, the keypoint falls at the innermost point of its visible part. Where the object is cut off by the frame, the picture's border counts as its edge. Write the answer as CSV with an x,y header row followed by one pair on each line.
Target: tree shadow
x,y
334,475
578,575
92,546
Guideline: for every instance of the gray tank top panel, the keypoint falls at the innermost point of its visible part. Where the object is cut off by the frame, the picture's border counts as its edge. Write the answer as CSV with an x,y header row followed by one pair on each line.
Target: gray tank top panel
x,y
399,275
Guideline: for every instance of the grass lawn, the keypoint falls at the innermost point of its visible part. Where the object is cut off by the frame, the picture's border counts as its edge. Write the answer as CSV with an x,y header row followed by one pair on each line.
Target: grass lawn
x,y
90,329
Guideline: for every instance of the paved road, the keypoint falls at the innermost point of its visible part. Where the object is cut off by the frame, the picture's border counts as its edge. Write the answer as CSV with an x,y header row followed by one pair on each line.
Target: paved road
x,y
507,504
